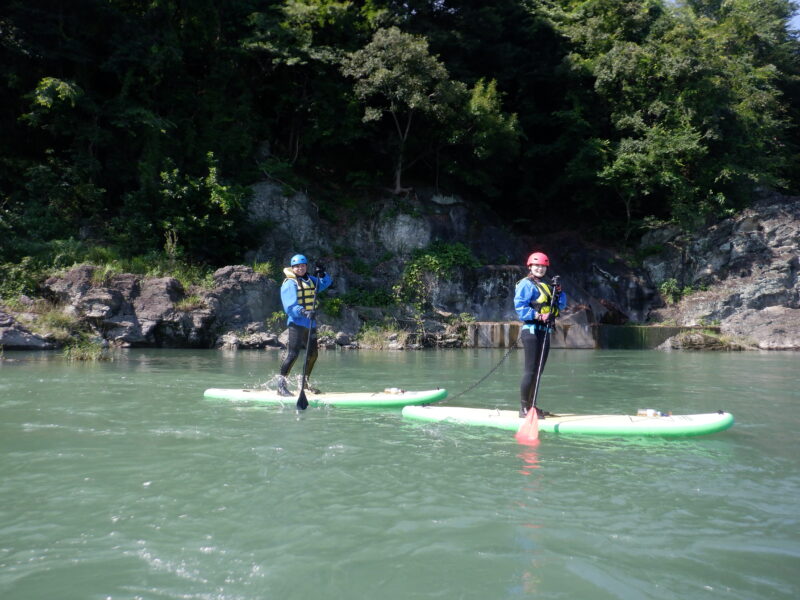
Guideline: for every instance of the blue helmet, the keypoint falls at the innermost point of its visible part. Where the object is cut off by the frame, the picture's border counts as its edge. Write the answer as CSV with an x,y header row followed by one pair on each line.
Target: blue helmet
x,y
298,259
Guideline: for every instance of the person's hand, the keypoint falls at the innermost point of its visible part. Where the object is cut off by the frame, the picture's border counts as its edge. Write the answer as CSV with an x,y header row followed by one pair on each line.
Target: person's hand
x,y
544,317
308,314
319,270
556,285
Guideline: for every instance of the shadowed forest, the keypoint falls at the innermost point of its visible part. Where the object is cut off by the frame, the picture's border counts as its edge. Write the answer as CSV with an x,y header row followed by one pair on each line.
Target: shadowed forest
x,y
138,125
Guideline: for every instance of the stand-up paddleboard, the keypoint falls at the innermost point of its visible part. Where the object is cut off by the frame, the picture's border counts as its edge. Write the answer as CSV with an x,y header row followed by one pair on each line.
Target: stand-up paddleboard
x,y
389,398
654,424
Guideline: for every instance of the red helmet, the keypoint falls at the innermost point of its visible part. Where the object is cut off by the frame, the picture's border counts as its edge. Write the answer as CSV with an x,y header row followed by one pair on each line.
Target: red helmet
x,y
538,258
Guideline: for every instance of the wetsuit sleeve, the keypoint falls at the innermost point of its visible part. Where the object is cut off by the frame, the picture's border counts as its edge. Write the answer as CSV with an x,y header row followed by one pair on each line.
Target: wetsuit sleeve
x,y
562,301
522,301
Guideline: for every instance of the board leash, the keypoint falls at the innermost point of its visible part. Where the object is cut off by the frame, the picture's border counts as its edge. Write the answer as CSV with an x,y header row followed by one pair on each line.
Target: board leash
x,y
505,356
493,369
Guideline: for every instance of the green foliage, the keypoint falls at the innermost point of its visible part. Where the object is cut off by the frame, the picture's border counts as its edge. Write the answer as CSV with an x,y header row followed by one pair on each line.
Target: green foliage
x,y
694,109
19,278
360,267
267,269
673,292
380,335
50,96
362,297
52,322
83,349
427,266
331,306
395,74
125,122
670,290
103,274
203,209
276,322
193,302
25,277
491,131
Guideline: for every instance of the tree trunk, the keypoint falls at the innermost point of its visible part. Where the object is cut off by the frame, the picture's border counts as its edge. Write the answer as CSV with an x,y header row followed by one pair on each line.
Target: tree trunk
x,y
402,134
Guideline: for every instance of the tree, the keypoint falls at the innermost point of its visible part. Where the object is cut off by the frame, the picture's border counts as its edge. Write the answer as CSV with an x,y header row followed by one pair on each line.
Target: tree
x,y
396,75
298,45
696,116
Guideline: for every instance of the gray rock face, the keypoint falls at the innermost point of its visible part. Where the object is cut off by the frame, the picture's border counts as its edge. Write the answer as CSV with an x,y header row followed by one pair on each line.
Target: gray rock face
x,y
241,296
697,340
14,336
749,265
291,223
128,310
772,328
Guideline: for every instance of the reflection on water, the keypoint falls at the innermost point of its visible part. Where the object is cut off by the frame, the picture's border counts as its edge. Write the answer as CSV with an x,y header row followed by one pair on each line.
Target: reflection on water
x,y
121,481
530,459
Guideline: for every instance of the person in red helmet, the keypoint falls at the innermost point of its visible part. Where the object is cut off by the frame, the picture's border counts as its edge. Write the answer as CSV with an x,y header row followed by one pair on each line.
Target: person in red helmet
x,y
533,299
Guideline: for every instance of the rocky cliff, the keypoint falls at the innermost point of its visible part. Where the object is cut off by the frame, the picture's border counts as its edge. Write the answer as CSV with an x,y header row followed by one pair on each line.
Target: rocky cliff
x,y
740,274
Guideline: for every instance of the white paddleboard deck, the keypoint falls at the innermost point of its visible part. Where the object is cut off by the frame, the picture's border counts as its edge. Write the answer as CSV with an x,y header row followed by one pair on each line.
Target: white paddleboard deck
x,y
389,398
618,425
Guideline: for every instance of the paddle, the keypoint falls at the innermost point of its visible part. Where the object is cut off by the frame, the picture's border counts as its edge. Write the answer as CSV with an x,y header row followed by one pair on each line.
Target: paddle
x,y
302,401
528,433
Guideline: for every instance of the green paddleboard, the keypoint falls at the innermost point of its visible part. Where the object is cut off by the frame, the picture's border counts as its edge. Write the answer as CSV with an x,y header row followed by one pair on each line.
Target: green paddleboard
x,y
389,398
616,425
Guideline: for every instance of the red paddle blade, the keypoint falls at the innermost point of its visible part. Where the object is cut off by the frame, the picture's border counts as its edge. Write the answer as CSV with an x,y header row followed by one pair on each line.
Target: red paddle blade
x,y
528,432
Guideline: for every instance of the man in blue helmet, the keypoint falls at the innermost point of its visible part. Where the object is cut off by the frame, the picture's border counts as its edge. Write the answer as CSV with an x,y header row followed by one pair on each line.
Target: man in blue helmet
x,y
299,296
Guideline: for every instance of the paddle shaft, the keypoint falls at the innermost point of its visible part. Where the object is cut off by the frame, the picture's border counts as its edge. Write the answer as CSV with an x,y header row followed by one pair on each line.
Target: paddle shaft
x,y
545,344
302,401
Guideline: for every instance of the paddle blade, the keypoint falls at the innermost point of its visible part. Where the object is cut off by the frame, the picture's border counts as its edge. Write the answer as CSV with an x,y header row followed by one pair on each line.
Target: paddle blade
x,y
302,401
528,432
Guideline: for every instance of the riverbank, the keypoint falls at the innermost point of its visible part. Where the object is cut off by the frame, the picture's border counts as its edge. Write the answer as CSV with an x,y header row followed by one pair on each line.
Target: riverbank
x,y
737,280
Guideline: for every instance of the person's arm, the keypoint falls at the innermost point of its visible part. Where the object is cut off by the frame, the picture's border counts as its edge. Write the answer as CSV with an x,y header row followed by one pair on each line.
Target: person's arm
x,y
562,301
522,301
323,282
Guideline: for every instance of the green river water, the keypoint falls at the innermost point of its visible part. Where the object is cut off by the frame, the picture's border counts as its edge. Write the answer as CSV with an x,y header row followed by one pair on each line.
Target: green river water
x,y
119,481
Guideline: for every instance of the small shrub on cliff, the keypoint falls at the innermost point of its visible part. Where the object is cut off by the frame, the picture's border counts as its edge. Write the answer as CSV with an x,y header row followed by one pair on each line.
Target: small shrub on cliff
x,y
102,275
427,266
276,323
193,302
53,322
264,268
159,264
670,291
331,306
